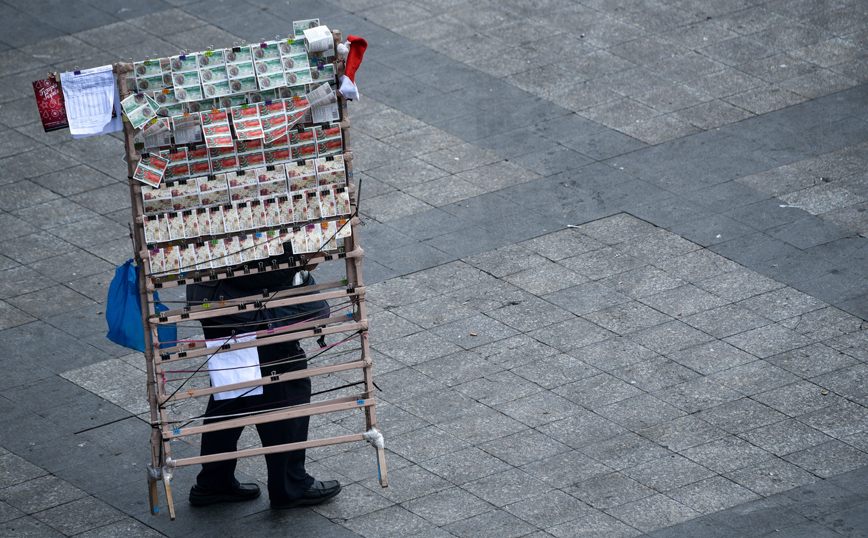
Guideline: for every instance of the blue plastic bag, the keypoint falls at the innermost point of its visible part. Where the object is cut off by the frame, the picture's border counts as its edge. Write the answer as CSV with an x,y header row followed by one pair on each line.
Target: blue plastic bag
x,y
124,311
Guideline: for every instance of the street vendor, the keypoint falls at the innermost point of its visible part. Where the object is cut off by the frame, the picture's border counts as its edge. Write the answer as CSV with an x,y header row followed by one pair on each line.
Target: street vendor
x,y
289,485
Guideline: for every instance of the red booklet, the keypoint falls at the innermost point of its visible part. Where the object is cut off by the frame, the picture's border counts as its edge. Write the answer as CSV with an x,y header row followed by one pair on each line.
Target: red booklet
x,y
49,99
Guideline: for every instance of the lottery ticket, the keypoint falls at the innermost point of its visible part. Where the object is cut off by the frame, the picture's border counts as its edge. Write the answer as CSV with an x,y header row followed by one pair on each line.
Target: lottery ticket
x,y
217,253
257,212
213,190
312,238
328,230
299,207
191,223
344,229
260,246
150,169
342,199
157,261
245,248
311,197
230,219
203,221
284,209
327,203
215,218
271,209
176,225
231,247
187,253
275,244
152,228
203,256
185,77
171,260
298,27
245,215
139,109
299,245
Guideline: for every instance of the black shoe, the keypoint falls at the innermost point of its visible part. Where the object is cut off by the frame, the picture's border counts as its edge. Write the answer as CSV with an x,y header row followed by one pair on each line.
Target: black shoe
x,y
200,496
318,493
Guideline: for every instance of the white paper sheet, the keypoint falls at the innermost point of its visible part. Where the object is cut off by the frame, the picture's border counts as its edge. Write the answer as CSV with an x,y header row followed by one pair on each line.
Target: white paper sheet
x,y
249,358
318,39
89,97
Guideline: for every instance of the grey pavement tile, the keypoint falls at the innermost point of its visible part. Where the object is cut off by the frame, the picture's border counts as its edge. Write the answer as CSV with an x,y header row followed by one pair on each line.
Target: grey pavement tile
x,y
652,513
585,298
771,476
682,433
726,454
798,398
752,378
712,230
13,317
711,357
17,470
387,325
582,428
539,408
394,521
458,368
561,244
118,529
507,487
613,354
623,451
698,265
610,490
768,340
597,391
474,331
785,437
48,301
669,337
447,506
712,495
848,382
550,509
545,278
841,419
489,388
570,335
462,466
781,304
408,483
80,515
757,518
627,317
416,348
669,473
490,524
741,415
523,447
28,526
819,499
808,232
40,494
426,444
654,411
552,470
554,371
8,513
439,406
482,426
353,501
697,395
104,200
595,524
712,114
824,323
683,301
528,313
812,360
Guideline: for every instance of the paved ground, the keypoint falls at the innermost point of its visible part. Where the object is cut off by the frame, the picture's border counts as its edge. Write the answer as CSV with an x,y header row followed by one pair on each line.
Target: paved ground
x,y
652,214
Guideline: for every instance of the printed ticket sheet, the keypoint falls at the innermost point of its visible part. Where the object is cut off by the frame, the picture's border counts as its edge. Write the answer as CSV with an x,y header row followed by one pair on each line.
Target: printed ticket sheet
x,y
139,109
150,169
90,96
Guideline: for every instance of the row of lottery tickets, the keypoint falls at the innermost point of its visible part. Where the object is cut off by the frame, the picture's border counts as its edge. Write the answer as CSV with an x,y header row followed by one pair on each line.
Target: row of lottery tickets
x,y
234,70
280,146
276,194
246,248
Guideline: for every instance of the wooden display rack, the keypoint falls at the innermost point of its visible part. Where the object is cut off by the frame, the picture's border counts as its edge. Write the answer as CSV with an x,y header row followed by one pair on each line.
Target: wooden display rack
x,y
351,290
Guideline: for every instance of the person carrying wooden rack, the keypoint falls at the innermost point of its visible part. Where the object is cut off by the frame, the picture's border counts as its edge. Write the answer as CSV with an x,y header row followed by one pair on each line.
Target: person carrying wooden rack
x,y
289,485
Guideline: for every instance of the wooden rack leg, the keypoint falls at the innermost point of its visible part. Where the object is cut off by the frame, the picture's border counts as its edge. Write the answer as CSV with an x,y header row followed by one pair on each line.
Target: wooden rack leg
x,y
153,497
168,486
381,468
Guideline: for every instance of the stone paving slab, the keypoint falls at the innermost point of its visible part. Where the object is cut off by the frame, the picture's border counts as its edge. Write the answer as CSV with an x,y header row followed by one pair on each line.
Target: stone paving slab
x,y
664,280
